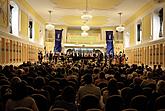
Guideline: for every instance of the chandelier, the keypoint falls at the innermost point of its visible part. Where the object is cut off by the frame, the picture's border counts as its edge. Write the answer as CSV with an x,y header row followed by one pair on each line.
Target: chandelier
x,y
85,27
49,26
84,34
120,28
86,16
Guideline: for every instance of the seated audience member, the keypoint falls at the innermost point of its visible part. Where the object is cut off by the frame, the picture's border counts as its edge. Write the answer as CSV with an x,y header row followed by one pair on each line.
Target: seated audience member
x,y
114,103
101,79
139,102
88,102
160,87
67,100
111,89
20,98
159,102
39,83
95,72
159,70
148,80
89,88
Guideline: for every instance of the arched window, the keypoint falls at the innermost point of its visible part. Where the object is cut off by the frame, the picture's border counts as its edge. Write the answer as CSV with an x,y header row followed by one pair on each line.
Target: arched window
x,y
31,29
158,23
14,18
138,32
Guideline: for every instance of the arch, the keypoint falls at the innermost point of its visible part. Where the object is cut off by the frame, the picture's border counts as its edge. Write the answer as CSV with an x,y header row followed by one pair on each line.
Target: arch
x,y
157,23
14,18
139,31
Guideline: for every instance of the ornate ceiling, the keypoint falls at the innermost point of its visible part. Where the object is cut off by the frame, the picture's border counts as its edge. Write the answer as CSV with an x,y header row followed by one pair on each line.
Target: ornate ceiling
x,y
104,12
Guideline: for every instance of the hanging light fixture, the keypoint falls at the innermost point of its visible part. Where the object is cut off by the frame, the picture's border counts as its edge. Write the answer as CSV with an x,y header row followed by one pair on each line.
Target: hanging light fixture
x,y
49,26
120,28
84,34
85,27
86,16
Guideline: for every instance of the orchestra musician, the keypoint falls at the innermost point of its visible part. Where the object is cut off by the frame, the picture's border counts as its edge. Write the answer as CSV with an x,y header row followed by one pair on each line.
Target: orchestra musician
x,y
40,56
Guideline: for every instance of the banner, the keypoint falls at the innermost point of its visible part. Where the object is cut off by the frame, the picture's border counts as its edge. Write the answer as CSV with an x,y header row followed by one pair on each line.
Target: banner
x,y
58,38
109,41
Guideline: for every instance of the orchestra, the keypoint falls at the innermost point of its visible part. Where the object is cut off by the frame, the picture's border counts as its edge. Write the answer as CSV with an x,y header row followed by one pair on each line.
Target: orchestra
x,y
94,56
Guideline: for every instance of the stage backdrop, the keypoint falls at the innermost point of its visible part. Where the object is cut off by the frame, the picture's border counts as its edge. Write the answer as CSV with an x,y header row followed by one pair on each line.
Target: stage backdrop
x,y
58,38
109,41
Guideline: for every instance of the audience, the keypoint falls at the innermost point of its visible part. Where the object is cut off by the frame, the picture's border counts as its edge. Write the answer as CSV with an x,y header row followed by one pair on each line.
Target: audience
x,y
20,99
89,88
66,100
81,86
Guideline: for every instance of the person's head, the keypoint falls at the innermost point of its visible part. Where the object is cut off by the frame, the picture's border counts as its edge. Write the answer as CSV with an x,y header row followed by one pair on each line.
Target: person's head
x,y
112,86
114,103
159,66
87,78
89,102
137,80
15,80
146,66
96,70
161,87
69,94
19,91
39,82
155,66
102,75
149,74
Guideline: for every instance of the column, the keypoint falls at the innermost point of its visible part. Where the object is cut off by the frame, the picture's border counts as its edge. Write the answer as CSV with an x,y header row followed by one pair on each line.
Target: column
x,y
144,55
138,55
21,52
11,51
8,45
0,50
159,54
163,55
155,57
14,52
4,51
149,53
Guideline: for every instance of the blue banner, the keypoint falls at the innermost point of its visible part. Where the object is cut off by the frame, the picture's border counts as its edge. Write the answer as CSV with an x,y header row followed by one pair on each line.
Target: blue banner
x,y
58,38
109,41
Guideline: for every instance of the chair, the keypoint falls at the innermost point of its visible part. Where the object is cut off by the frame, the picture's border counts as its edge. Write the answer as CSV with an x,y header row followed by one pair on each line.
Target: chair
x,y
5,89
4,82
147,91
22,109
160,102
41,101
93,109
139,102
125,94
102,85
120,85
89,102
161,110
129,109
51,92
59,109
30,90
114,103
103,89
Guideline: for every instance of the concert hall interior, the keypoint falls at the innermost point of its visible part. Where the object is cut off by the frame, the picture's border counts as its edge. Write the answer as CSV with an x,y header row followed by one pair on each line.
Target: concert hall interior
x,y
55,36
